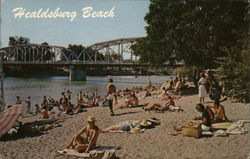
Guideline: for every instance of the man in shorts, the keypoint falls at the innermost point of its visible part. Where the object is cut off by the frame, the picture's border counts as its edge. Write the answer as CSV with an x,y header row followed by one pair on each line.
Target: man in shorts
x,y
111,95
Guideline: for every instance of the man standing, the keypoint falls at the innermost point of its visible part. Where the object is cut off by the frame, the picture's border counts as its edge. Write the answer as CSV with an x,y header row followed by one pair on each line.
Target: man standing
x,y
18,100
28,103
111,95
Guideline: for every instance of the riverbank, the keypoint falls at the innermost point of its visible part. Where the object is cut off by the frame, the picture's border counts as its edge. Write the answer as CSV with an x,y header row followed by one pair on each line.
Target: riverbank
x,y
153,143
45,71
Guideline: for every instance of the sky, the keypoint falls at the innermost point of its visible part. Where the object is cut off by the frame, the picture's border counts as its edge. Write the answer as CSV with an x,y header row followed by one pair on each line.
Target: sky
x,y
127,21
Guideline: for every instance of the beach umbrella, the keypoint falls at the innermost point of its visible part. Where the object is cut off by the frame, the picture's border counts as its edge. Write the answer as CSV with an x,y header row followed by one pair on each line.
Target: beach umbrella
x,y
9,117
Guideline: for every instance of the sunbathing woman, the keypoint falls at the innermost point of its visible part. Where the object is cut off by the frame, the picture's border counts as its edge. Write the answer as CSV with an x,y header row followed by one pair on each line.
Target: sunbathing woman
x,y
44,113
134,125
133,101
82,101
170,105
122,126
219,112
88,141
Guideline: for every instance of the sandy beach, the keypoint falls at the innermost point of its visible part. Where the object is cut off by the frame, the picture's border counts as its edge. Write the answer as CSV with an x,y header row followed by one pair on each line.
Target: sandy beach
x,y
154,143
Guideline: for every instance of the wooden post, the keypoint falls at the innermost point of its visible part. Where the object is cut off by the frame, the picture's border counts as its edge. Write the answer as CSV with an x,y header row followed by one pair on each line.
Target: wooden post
x,y
2,103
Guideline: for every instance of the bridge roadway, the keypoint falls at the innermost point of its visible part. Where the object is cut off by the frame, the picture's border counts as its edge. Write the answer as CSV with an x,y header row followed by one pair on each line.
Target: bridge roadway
x,y
85,64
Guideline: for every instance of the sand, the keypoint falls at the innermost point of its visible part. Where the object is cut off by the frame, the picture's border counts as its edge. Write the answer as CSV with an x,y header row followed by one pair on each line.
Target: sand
x,y
155,143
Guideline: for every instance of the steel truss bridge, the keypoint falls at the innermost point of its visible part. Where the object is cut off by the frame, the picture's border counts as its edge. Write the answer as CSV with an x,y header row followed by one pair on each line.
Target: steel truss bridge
x,y
114,53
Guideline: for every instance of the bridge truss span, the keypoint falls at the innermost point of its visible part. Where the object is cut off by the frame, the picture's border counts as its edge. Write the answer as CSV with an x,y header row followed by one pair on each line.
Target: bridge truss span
x,y
114,51
35,53
108,52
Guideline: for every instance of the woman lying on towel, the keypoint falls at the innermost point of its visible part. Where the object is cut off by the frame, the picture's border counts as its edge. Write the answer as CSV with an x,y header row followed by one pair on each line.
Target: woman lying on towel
x,y
122,126
170,105
218,115
88,141
132,125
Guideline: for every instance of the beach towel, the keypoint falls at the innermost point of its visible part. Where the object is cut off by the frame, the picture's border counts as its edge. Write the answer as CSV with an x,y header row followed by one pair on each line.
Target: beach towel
x,y
227,125
229,128
101,152
47,127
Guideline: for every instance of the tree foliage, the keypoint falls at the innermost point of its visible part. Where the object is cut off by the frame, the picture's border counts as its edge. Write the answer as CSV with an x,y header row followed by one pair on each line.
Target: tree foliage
x,y
202,34
18,40
76,48
234,71
79,50
191,31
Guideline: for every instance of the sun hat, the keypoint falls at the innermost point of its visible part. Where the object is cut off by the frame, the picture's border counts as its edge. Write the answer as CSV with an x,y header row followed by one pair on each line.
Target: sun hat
x,y
91,119
145,123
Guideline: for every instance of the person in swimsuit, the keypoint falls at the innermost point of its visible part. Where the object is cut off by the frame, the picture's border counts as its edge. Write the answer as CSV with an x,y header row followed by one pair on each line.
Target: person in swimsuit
x,y
111,95
18,100
219,114
205,117
88,141
132,101
44,113
28,103
69,93
45,101
169,105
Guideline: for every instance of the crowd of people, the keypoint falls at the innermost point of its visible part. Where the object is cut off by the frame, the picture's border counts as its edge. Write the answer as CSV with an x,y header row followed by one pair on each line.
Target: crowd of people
x,y
207,86
209,114
50,107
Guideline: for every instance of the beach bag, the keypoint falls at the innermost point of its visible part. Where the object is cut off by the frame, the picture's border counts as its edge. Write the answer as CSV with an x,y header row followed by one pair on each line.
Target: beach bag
x,y
192,131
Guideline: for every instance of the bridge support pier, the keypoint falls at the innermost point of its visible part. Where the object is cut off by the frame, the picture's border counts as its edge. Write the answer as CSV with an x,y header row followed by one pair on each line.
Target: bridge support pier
x,y
77,74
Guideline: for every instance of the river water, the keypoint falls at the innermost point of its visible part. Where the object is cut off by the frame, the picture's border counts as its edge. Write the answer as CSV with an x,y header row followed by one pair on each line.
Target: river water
x,y
36,88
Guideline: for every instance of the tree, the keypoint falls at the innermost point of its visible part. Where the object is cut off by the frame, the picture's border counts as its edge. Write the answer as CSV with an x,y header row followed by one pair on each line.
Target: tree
x,y
234,71
203,34
18,40
192,31
78,49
